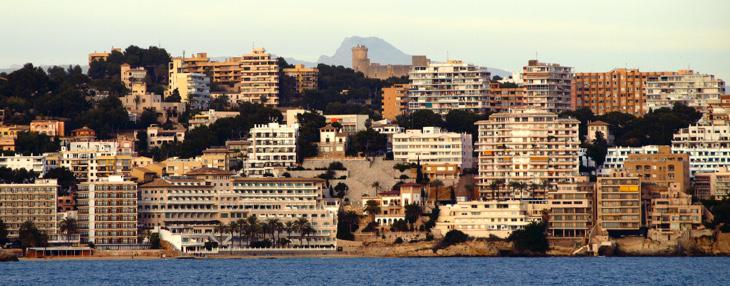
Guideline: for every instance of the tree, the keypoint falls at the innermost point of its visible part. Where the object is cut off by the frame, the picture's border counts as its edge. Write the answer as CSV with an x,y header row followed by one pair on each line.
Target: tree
x,y
3,233
219,103
66,179
106,118
336,166
30,236
147,118
341,190
29,143
598,149
462,121
531,238
19,176
347,223
173,97
372,208
68,226
155,242
402,167
376,185
412,213
399,225
419,119
452,237
309,125
368,143
432,218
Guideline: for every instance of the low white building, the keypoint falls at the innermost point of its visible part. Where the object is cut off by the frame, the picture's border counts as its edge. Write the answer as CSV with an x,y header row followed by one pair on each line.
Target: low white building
x,y
351,123
708,146
156,136
272,149
432,145
35,163
206,118
484,218
616,156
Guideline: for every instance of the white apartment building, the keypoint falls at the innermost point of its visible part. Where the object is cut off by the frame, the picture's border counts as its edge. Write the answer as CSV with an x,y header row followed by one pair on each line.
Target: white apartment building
x,y
616,156
287,199
526,146
206,118
108,211
35,163
433,145
273,148
93,160
194,88
441,87
685,86
157,136
484,218
548,86
260,77
708,146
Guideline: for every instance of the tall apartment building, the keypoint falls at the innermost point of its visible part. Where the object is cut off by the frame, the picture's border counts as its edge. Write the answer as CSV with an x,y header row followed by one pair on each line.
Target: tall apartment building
x,y
52,128
548,86
394,100
34,202
272,149
526,146
484,218
180,204
684,86
432,145
108,211
194,88
503,99
619,90
708,146
442,87
287,199
571,210
618,203
260,76
306,77
224,74
93,160
662,169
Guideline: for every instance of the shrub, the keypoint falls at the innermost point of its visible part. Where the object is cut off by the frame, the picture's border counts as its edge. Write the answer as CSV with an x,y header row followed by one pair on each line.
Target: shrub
x,y
451,238
337,166
398,240
531,238
399,225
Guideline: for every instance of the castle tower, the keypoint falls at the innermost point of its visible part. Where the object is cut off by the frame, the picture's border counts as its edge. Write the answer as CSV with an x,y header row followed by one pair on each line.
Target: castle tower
x,y
360,61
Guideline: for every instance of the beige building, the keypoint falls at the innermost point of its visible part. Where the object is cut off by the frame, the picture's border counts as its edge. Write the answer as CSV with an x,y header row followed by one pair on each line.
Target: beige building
x,y
34,202
306,77
394,100
8,134
133,78
671,213
260,76
526,146
225,75
179,204
136,103
503,99
102,56
548,86
595,127
454,85
432,145
272,149
618,203
571,210
716,185
684,86
484,218
194,88
351,123
332,142
361,63
206,118
52,128
108,211
93,160
662,169
157,136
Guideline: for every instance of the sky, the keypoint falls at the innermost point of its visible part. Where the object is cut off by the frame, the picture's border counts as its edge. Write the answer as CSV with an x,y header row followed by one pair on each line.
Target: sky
x,y
591,36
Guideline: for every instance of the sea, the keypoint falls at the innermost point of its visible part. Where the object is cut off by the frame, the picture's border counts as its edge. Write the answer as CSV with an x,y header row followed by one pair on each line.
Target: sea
x,y
374,271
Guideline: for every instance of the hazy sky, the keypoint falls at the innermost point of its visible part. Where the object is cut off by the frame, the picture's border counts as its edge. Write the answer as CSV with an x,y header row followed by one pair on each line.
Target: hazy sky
x,y
588,35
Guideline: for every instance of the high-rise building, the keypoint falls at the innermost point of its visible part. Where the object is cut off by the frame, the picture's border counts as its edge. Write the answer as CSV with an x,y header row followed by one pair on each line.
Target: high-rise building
x,y
671,213
93,160
272,149
526,146
432,145
394,100
708,146
194,88
35,202
442,87
180,204
616,156
502,99
259,76
619,90
548,86
684,86
571,210
306,77
716,185
618,203
108,211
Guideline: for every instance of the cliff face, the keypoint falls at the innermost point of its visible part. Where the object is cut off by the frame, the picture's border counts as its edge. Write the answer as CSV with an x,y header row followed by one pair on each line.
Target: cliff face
x,y
425,249
7,256
714,245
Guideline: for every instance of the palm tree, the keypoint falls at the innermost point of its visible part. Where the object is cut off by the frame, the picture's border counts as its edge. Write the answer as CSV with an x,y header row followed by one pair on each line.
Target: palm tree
x,y
306,231
221,229
289,228
232,227
372,208
376,185
253,227
273,226
299,227
69,227
242,227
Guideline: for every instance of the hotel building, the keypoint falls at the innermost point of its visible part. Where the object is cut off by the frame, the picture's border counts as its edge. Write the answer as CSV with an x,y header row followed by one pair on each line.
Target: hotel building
x,y
527,146
484,218
432,145
548,86
34,202
571,210
442,87
618,203
108,211
179,204
272,149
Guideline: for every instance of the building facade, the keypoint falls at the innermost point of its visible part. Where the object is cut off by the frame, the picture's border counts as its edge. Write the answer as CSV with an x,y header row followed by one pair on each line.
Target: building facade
x,y
684,86
306,77
108,211
548,86
259,76
272,149
503,99
571,210
432,145
394,100
662,169
442,87
34,202
712,186
51,128
618,203
708,146
484,218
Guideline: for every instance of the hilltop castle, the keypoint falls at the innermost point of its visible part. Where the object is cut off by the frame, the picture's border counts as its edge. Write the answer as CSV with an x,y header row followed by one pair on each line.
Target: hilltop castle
x,y
361,63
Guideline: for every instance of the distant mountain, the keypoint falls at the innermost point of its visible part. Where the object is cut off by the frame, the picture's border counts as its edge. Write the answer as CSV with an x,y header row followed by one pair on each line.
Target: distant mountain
x,y
13,68
379,51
